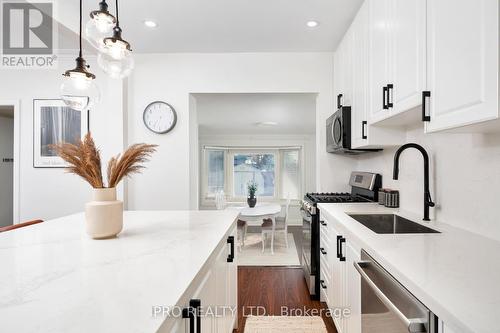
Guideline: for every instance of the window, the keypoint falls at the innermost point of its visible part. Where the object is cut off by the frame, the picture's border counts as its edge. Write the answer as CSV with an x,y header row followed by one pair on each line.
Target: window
x,y
290,176
277,172
215,168
258,168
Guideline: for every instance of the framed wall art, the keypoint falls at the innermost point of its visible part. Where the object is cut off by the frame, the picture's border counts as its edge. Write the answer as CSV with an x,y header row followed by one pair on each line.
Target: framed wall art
x,y
54,122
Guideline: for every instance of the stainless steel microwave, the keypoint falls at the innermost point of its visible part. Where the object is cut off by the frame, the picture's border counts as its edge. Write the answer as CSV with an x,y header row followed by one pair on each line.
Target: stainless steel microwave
x,y
338,133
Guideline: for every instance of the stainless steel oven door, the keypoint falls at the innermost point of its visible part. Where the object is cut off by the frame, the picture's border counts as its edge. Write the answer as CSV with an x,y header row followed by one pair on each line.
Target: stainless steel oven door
x,y
306,250
386,306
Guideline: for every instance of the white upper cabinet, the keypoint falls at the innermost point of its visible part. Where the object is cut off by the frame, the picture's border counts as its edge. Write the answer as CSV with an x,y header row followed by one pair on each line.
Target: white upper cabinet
x,y
361,87
366,100
462,71
408,54
397,56
343,67
379,65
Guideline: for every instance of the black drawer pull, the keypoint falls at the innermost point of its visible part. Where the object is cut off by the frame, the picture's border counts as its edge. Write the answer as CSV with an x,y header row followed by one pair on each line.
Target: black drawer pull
x,y
323,223
425,97
322,283
341,256
196,305
364,123
230,257
384,98
338,246
322,250
390,93
188,313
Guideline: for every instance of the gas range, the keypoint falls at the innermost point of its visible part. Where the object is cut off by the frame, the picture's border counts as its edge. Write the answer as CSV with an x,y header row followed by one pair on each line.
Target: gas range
x,y
364,188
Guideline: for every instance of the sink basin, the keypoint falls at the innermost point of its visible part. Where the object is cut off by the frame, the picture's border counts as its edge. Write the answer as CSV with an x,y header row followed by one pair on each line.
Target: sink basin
x,y
391,224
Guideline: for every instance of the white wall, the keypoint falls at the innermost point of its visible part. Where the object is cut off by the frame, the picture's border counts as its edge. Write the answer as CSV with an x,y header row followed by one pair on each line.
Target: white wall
x,y
173,77
49,193
6,170
465,178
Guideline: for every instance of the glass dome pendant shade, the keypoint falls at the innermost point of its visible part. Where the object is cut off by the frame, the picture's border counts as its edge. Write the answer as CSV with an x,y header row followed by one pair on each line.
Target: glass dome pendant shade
x,y
78,90
100,25
115,57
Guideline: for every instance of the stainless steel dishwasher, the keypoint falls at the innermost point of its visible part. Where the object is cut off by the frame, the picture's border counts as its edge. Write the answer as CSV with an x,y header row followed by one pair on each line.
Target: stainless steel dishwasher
x,y
386,305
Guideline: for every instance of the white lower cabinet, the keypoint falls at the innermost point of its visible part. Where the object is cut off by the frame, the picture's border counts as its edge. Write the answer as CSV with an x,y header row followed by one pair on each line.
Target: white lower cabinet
x,y
215,290
337,300
345,299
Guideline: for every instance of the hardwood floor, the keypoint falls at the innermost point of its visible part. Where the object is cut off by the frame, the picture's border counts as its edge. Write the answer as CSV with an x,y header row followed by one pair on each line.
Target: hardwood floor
x,y
265,290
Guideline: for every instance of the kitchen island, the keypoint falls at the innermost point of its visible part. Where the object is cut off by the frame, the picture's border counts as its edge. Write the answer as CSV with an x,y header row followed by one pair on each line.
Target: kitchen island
x,y
54,278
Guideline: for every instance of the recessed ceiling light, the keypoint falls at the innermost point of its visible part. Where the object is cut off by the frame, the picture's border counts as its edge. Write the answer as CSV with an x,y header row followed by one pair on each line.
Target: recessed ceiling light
x,y
150,24
266,123
312,24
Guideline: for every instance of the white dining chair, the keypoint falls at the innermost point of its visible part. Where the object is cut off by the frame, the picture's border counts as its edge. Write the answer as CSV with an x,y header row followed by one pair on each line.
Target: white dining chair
x,y
241,226
220,200
281,226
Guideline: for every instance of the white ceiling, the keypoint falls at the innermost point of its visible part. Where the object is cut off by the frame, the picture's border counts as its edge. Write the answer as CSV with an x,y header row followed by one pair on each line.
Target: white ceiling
x,y
226,25
239,113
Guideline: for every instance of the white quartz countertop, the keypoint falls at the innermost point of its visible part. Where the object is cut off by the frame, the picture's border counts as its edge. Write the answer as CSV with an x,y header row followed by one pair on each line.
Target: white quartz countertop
x,y
456,273
54,278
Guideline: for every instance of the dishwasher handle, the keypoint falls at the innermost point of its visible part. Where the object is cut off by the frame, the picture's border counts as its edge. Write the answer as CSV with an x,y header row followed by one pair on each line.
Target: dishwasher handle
x,y
414,325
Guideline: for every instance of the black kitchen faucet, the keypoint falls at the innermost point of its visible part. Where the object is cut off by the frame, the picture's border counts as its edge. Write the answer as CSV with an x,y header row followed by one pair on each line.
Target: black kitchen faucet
x,y
427,194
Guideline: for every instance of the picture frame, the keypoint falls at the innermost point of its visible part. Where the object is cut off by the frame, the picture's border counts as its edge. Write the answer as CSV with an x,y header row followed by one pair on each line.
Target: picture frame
x,y
54,122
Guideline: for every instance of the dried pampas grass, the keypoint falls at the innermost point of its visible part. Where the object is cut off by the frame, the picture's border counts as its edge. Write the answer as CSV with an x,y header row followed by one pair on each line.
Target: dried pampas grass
x,y
85,161
128,163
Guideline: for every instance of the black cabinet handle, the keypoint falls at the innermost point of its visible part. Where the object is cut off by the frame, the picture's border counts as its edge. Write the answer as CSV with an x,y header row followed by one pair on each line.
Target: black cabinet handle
x,y
230,256
322,250
339,101
323,223
338,246
384,98
425,97
322,283
341,256
390,88
188,313
364,123
196,305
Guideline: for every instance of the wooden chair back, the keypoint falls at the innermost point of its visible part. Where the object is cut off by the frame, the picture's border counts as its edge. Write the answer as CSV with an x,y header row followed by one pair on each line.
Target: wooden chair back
x,y
19,225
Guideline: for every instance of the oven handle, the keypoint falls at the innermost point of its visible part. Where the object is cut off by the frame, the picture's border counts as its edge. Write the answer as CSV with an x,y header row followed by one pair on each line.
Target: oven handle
x,y
414,325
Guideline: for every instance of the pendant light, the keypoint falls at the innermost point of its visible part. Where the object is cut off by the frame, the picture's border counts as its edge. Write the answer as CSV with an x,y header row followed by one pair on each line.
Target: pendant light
x,y
79,90
100,25
115,57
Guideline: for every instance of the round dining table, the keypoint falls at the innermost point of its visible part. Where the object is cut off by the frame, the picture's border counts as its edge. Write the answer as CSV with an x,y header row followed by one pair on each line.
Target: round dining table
x,y
256,215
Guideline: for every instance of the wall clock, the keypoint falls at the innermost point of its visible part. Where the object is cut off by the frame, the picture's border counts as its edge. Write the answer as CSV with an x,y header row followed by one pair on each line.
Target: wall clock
x,y
159,117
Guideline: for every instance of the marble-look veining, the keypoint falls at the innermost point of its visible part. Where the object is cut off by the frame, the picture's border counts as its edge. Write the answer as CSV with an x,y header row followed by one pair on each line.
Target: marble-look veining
x,y
54,278
456,273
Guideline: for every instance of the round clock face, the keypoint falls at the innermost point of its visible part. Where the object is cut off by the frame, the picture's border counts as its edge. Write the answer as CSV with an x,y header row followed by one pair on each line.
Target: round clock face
x,y
159,117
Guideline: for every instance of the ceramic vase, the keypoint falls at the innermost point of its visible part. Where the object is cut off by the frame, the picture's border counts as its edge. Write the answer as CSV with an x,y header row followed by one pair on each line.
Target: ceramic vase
x,y
104,214
252,201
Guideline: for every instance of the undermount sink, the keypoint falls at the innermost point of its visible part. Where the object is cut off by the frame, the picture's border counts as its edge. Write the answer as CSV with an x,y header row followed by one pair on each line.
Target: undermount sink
x,y
391,224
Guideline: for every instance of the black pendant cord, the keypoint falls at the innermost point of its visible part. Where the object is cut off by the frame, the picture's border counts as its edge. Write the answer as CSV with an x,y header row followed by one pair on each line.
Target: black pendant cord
x,y
117,20
81,10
